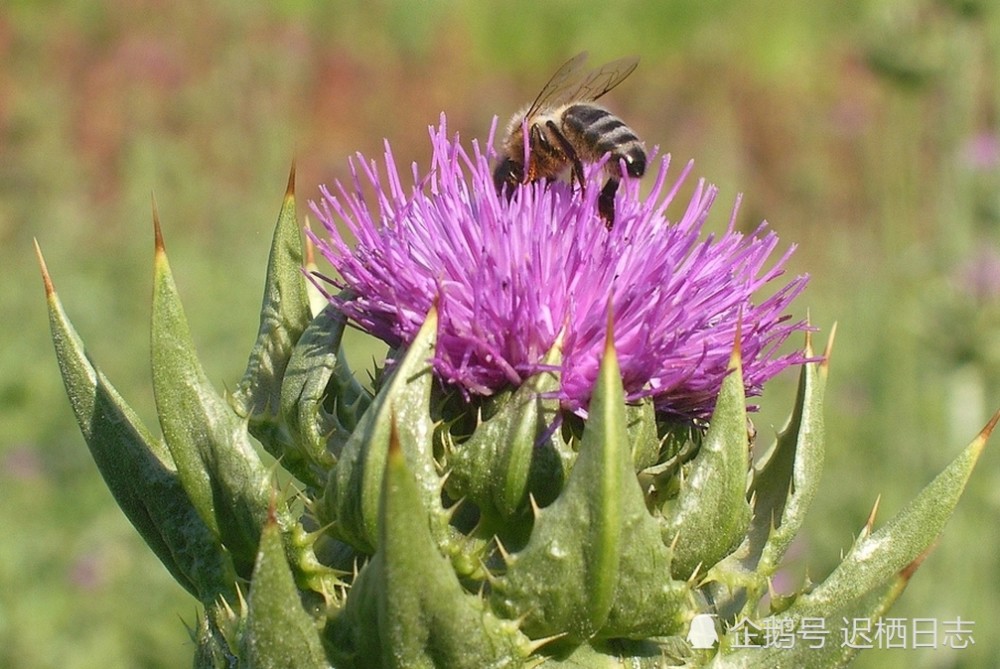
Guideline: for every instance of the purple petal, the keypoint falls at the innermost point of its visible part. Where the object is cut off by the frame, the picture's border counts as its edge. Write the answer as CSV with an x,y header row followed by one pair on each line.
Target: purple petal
x,y
508,277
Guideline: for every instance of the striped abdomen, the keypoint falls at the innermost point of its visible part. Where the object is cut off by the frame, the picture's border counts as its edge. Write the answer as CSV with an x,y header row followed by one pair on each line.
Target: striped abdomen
x,y
594,131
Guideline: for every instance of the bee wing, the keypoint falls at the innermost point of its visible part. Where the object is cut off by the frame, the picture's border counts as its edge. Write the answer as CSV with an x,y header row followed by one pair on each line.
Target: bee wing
x,y
570,83
561,82
603,79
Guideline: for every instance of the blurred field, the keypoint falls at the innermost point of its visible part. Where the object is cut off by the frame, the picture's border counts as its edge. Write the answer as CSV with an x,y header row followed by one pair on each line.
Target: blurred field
x,y
867,135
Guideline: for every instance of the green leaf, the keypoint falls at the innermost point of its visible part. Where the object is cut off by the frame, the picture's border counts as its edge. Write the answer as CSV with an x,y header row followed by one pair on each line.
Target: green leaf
x,y
220,471
303,393
641,420
317,300
321,401
407,608
593,553
565,578
505,459
647,602
709,517
212,651
876,557
871,577
137,468
785,483
279,632
284,314
350,399
351,497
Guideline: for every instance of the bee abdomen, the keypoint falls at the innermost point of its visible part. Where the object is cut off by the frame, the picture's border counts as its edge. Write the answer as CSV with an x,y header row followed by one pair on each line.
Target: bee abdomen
x,y
603,132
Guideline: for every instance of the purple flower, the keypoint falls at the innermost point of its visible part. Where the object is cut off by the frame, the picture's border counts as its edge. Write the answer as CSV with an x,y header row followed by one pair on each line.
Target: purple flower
x,y
979,276
981,152
510,276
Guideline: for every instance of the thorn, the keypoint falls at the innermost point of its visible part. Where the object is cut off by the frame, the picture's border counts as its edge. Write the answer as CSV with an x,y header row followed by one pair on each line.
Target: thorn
x,y
157,232
224,603
310,247
807,347
290,190
673,543
503,551
192,631
535,644
46,279
738,344
609,339
450,512
829,346
560,336
242,598
985,433
535,509
871,517
355,569
489,577
693,579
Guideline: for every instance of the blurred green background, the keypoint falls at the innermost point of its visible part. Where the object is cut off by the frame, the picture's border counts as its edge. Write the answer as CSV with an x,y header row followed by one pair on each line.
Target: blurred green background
x,y
865,132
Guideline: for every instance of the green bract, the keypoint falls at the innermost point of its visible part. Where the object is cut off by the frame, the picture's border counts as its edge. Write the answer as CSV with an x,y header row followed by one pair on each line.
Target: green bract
x,y
439,533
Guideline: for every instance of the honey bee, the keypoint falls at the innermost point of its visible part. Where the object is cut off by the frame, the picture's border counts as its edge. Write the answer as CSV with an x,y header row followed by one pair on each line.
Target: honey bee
x,y
566,129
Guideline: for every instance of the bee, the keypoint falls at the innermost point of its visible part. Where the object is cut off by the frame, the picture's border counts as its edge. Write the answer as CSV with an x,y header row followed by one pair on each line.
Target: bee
x,y
566,129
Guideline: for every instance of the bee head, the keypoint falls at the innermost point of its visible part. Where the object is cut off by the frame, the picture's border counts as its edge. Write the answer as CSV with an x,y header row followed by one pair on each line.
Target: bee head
x,y
508,172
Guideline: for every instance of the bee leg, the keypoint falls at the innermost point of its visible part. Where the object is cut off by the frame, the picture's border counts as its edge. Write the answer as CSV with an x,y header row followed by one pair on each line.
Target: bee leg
x,y
539,143
606,202
569,151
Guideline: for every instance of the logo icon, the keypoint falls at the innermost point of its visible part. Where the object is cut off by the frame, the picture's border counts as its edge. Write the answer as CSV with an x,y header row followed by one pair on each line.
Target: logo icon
x,y
702,634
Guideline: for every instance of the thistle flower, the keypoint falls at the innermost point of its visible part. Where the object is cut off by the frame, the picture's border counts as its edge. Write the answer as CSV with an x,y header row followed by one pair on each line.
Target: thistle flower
x,y
618,543
514,278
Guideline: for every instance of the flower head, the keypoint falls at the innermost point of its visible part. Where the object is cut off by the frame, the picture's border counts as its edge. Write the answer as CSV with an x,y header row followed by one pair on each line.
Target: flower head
x,y
511,278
